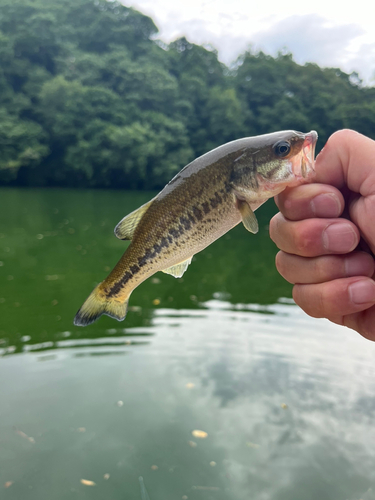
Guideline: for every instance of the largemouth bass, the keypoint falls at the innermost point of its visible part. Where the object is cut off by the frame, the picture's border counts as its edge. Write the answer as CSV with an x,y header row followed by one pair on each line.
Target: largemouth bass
x,y
202,202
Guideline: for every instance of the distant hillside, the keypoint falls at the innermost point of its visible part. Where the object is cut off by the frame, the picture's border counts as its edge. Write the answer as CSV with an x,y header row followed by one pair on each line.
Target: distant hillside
x,y
87,98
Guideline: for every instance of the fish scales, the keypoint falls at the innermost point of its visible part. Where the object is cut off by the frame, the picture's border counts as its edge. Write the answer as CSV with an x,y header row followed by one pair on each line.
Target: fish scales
x,y
204,201
193,216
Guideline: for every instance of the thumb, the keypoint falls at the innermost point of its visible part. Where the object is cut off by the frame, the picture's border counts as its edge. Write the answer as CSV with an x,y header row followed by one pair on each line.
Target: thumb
x,y
348,159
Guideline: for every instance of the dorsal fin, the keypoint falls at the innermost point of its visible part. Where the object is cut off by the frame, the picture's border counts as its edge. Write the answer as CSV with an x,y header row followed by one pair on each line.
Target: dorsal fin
x,y
249,219
178,270
126,227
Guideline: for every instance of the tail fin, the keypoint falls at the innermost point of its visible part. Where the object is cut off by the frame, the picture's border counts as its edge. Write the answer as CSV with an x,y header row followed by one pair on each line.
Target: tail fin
x,y
97,304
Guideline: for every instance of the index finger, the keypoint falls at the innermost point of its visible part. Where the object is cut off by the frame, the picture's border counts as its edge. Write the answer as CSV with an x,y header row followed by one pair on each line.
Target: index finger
x,y
309,201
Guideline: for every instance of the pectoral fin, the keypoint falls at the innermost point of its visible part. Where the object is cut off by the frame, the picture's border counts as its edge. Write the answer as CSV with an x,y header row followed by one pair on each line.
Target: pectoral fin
x,y
178,270
249,219
126,227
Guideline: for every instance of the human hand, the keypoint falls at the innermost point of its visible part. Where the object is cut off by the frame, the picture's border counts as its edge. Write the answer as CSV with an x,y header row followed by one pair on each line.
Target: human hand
x,y
323,230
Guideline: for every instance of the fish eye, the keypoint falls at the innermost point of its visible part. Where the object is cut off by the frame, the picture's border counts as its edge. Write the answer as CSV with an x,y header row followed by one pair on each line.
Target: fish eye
x,y
282,148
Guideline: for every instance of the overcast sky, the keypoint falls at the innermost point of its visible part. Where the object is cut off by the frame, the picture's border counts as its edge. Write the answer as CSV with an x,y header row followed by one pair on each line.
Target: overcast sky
x,y
328,32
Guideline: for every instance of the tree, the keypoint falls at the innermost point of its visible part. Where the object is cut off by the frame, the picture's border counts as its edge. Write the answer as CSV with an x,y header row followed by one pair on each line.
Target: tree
x,y
89,98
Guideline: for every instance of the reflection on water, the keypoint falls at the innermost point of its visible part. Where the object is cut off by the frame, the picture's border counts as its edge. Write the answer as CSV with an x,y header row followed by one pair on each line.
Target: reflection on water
x,y
287,404
284,404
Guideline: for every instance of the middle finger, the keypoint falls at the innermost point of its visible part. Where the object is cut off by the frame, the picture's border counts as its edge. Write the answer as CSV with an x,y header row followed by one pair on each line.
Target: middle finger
x,y
313,237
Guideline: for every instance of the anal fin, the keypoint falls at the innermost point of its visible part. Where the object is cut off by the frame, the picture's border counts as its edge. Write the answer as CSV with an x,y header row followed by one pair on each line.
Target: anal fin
x,y
178,269
126,227
249,219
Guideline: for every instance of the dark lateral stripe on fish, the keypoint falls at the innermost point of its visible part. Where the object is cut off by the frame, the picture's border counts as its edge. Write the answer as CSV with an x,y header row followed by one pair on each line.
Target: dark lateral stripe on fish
x,y
134,269
197,213
186,223
116,288
206,207
215,202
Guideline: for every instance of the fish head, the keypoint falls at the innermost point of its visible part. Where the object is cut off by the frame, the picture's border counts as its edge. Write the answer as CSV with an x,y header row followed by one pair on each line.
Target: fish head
x,y
274,161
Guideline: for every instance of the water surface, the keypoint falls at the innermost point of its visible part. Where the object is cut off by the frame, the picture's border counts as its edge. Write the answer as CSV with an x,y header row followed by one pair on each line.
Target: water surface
x,y
287,402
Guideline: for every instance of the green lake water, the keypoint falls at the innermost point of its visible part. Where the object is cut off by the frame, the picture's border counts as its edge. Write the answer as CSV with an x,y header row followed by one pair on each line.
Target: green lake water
x,y
287,402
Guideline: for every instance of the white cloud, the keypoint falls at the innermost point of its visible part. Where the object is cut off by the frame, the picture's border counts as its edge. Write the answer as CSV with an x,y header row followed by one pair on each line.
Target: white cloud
x,y
310,38
314,32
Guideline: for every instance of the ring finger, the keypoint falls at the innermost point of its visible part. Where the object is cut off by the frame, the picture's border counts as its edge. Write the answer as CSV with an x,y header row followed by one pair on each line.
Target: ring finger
x,y
302,270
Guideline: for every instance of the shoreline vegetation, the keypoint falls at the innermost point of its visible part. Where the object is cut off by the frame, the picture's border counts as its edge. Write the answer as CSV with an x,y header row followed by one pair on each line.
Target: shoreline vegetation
x,y
89,98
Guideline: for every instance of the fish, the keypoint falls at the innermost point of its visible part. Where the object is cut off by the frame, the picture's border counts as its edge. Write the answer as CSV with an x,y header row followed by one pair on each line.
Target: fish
x,y
206,199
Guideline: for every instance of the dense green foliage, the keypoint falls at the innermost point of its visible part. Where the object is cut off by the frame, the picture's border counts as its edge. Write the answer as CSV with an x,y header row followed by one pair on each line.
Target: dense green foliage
x,y
87,97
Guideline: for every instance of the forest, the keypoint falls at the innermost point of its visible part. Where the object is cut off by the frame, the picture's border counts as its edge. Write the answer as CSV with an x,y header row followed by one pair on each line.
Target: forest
x,y
90,98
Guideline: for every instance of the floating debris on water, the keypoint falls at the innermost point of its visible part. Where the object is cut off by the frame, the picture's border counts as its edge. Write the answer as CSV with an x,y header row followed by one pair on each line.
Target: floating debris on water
x,y
252,445
120,403
135,308
284,406
154,467
199,434
193,444
156,302
190,385
184,497
156,281
8,484
39,236
106,476
87,482
212,463
25,436
81,429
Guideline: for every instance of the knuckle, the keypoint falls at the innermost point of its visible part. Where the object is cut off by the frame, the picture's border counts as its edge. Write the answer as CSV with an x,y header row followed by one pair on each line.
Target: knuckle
x,y
281,264
311,299
305,240
274,227
342,137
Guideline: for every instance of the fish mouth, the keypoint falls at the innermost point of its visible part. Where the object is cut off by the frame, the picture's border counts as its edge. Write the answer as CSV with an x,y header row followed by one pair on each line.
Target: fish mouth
x,y
308,154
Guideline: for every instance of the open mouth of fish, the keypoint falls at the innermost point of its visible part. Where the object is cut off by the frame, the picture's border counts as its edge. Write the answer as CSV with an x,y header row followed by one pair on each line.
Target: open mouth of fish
x,y
303,164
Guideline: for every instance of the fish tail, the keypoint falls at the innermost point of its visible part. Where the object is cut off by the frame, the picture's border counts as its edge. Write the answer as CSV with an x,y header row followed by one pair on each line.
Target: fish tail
x,y
97,304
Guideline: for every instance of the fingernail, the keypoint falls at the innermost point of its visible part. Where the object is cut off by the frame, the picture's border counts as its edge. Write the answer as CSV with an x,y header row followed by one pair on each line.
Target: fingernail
x,y
359,264
326,205
340,237
362,292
